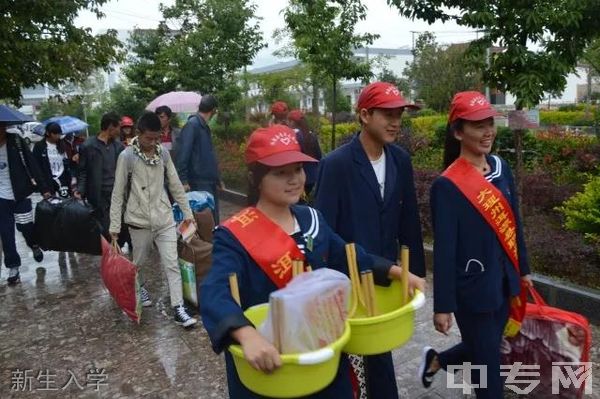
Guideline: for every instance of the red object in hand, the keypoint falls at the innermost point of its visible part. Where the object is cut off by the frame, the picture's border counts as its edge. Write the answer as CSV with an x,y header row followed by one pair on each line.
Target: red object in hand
x,y
120,277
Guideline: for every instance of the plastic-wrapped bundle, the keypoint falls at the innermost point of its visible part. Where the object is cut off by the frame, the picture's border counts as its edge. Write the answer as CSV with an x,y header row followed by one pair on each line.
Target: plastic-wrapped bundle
x,y
309,313
549,335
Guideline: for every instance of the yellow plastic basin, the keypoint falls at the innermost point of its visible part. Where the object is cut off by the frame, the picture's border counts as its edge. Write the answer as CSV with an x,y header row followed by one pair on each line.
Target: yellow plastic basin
x,y
300,374
391,328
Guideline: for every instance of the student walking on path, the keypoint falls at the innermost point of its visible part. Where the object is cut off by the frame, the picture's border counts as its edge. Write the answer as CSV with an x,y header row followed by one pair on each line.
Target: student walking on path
x,y
480,259
144,174
366,192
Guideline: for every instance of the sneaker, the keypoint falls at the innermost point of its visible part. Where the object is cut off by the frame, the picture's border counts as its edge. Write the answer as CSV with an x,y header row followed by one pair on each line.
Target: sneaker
x,y
38,254
182,317
13,276
145,297
424,370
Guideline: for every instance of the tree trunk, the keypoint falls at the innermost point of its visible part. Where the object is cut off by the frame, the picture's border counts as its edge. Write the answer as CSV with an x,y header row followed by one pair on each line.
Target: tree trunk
x,y
333,112
518,141
315,96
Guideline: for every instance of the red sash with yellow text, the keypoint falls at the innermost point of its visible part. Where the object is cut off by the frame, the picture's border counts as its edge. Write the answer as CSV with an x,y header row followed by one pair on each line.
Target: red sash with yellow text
x,y
497,212
268,245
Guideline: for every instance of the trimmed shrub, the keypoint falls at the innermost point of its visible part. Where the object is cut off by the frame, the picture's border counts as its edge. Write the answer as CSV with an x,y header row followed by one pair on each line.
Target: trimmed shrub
x,y
236,131
582,211
564,118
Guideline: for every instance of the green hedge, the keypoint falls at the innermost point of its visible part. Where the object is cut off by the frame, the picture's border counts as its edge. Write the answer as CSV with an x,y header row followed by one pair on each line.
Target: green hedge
x,y
342,131
566,118
235,131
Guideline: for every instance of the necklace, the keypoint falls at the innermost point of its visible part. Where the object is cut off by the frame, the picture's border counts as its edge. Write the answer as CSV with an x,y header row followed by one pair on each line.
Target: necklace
x,y
484,168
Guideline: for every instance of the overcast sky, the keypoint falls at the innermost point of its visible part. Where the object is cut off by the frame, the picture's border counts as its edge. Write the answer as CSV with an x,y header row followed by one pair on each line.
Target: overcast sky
x,y
395,31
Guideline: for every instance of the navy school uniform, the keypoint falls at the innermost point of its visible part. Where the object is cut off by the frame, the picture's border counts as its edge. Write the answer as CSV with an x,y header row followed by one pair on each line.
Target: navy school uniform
x,y
221,315
349,197
473,276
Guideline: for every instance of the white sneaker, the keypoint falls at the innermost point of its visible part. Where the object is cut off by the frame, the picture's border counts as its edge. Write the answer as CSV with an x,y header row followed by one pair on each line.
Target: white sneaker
x,y
145,297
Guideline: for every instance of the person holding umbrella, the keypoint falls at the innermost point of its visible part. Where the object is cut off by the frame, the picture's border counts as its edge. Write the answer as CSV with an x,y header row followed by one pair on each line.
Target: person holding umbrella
x,y
19,178
53,161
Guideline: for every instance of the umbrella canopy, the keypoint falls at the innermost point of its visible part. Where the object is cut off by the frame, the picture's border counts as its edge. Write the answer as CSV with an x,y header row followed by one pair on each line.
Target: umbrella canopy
x,y
10,116
178,101
68,124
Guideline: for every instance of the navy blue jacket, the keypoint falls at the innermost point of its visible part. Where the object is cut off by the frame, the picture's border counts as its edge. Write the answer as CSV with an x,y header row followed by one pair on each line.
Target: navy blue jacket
x,y
196,159
349,197
25,174
471,270
220,313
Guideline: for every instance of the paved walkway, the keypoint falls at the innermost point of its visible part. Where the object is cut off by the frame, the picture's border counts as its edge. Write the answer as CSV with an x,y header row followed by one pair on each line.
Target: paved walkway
x,y
62,336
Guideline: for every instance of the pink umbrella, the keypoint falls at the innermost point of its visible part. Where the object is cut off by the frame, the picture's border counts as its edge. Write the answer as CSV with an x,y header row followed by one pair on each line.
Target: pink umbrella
x,y
178,101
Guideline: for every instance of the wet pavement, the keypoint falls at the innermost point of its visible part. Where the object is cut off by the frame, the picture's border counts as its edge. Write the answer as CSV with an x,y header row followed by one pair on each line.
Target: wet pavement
x,y
62,336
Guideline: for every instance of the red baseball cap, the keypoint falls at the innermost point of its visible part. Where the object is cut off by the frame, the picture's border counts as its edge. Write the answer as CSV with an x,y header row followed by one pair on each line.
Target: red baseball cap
x,y
275,145
279,107
295,115
126,121
471,106
382,95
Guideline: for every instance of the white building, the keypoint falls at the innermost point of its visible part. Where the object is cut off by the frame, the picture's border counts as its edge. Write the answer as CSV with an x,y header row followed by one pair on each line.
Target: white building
x,y
394,60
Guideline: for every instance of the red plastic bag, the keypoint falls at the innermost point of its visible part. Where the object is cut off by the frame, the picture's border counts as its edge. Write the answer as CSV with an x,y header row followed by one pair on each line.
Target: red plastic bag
x,y
550,335
120,277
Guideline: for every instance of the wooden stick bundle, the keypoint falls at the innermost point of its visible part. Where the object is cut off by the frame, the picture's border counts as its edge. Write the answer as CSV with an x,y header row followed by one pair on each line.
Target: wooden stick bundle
x,y
368,289
404,255
297,267
277,322
235,289
357,293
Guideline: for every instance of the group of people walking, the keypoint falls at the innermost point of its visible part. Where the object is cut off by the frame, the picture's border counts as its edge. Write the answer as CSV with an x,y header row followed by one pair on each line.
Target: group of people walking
x,y
364,192
126,173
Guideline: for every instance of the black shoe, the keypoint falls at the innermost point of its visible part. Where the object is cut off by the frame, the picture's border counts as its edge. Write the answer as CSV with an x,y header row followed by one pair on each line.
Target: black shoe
x,y
13,276
182,317
424,370
38,254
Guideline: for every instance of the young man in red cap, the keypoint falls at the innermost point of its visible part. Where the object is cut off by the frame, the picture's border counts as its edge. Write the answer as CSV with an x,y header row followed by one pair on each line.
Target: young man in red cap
x,y
279,112
366,192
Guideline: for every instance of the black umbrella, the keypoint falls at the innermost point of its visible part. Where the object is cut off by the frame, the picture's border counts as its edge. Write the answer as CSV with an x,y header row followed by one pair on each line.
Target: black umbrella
x,y
10,116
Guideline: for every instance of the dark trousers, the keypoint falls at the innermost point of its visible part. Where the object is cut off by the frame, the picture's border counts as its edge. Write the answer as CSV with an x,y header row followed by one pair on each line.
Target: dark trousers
x,y
211,188
381,377
481,335
11,213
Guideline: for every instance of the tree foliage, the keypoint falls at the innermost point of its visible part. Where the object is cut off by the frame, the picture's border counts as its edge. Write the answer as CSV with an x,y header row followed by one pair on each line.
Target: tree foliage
x,y
211,41
324,38
39,43
540,43
540,40
438,72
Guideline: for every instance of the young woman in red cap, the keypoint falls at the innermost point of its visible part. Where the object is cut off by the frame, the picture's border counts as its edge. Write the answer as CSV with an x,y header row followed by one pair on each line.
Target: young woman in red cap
x,y
480,260
264,234
366,191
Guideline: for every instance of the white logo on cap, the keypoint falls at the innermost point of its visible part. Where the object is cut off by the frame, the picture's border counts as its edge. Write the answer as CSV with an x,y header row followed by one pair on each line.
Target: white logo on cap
x,y
392,90
478,101
284,138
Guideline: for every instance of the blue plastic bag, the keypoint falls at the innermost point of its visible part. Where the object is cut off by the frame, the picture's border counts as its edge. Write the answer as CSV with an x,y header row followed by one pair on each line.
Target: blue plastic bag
x,y
198,200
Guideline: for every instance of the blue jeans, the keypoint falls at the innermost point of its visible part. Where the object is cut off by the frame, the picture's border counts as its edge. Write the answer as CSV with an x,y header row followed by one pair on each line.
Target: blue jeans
x,y
10,212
